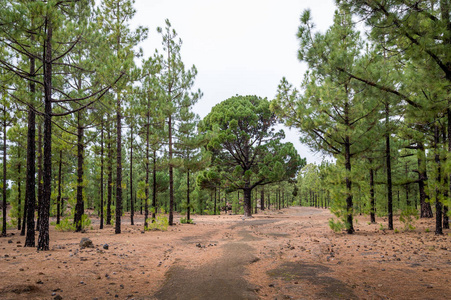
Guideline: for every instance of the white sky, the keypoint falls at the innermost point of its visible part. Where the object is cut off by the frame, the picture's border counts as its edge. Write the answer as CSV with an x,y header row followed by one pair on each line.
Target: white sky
x,y
241,47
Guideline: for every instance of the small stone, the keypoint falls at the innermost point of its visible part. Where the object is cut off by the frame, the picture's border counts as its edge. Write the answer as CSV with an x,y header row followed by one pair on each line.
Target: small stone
x,y
39,282
105,246
10,241
86,243
57,297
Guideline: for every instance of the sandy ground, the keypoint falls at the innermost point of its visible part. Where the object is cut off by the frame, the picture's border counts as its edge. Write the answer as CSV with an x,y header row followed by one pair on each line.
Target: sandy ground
x,y
288,254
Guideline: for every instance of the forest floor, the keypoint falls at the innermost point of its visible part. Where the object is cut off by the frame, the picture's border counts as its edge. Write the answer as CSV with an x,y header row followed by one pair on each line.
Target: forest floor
x,y
287,254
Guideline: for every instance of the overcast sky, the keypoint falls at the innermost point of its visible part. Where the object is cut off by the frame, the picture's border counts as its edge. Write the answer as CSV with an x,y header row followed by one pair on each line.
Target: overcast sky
x,y
241,47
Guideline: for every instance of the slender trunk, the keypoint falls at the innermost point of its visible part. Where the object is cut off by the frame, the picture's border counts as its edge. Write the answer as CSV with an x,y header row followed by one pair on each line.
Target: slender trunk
x,y
44,239
188,208
58,199
40,174
255,201
438,204
110,177
447,199
4,173
79,207
408,204
132,207
146,205
171,175
388,163
118,166
262,199
349,203
154,195
101,175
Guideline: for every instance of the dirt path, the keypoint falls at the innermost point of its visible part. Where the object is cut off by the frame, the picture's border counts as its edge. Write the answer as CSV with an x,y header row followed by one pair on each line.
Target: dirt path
x,y
288,254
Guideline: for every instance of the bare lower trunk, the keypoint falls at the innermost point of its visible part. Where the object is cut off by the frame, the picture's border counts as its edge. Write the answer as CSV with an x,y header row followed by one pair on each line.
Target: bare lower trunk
x,y
373,206
171,176
118,167
247,191
349,203
58,199
79,207
438,204
101,176
388,165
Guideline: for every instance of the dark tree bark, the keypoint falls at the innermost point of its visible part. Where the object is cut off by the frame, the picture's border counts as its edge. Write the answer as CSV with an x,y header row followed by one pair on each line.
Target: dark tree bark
x,y
79,207
171,175
262,199
101,175
30,194
43,241
110,177
58,199
214,207
388,165
40,174
445,207
118,167
349,203
247,191
146,191
188,208
438,204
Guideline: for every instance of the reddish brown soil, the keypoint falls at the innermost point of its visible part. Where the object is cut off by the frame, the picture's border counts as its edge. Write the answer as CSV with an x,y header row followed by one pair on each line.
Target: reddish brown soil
x,y
291,254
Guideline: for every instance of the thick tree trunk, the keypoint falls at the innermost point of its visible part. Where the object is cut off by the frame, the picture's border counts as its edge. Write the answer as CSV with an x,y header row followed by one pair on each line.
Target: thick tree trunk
x,y
44,239
79,206
58,199
171,175
247,191
30,193
438,204
118,166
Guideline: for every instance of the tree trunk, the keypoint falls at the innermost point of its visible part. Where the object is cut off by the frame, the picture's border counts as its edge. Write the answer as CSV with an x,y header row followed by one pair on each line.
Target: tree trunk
x,y
188,208
79,207
262,199
101,175
40,174
30,193
388,163
438,204
171,175
58,199
146,191
214,207
43,241
118,166
132,207
349,204
110,177
372,199
247,201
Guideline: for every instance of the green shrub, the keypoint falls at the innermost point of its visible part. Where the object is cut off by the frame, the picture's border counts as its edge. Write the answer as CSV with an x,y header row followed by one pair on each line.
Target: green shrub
x,y
159,223
408,218
336,225
186,221
67,225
